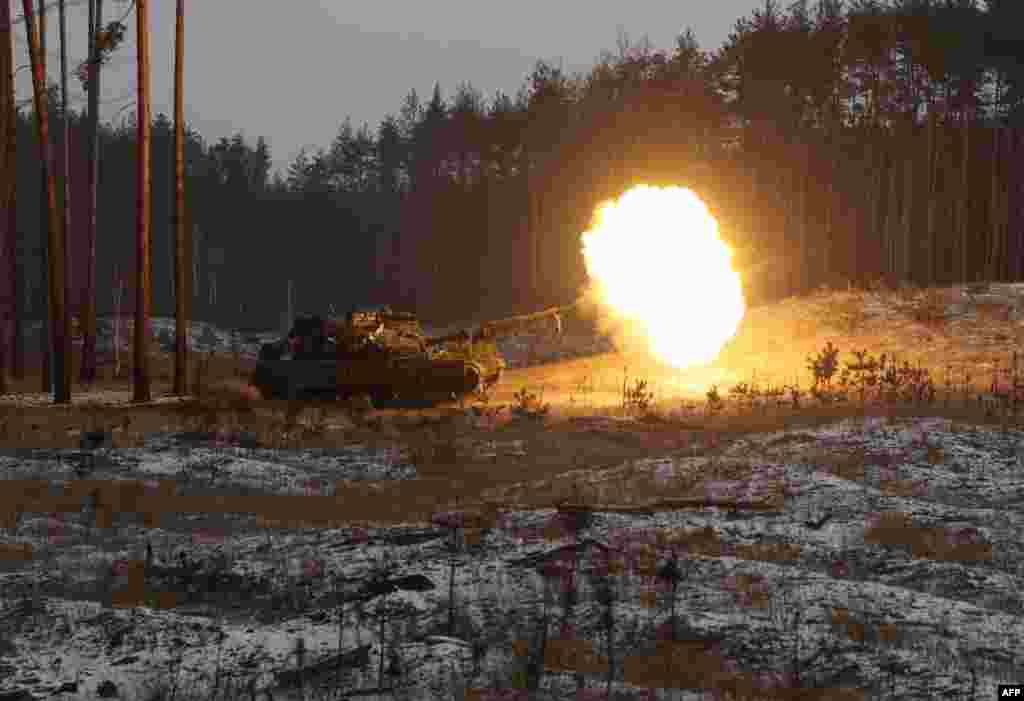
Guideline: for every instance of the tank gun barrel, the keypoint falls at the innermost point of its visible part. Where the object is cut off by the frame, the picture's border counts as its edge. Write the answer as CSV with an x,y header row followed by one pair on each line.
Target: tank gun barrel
x,y
508,326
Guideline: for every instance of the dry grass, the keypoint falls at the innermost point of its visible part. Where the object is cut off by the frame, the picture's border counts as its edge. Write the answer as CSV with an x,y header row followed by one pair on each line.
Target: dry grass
x,y
603,412
452,446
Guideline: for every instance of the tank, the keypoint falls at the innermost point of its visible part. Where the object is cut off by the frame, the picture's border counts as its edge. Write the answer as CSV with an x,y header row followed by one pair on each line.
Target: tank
x,y
383,354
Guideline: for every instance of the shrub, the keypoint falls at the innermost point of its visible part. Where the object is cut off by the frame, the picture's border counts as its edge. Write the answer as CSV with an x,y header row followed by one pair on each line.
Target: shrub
x,y
636,397
824,364
529,406
714,400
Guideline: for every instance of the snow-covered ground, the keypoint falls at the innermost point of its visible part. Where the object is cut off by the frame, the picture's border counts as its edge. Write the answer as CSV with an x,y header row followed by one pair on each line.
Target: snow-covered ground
x,y
903,542
888,560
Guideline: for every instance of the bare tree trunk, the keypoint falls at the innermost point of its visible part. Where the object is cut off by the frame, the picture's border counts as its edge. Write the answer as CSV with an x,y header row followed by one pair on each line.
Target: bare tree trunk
x,y
17,278
870,186
45,331
142,272
66,224
964,216
118,294
289,314
1008,173
785,194
885,189
1016,224
56,263
933,165
533,236
195,260
830,218
940,204
883,195
855,225
8,130
1002,214
949,234
88,369
906,223
993,266
892,231
877,213
800,277
180,286
1015,195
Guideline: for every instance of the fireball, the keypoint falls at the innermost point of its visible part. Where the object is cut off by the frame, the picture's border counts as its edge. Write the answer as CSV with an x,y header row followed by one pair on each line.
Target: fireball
x,y
656,263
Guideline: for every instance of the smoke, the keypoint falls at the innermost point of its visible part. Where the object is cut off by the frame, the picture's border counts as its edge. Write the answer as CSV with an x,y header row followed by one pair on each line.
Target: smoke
x,y
627,335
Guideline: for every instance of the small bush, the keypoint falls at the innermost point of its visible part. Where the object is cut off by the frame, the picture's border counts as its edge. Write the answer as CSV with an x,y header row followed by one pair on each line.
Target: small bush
x,y
906,383
795,394
714,401
584,387
824,365
749,394
529,406
864,372
775,394
636,398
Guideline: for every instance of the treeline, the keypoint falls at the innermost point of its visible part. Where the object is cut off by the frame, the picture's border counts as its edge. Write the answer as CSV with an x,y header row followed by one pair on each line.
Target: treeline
x,y
833,141
233,209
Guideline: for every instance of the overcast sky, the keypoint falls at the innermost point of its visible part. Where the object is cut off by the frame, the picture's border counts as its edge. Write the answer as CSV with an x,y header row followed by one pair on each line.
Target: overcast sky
x,y
292,70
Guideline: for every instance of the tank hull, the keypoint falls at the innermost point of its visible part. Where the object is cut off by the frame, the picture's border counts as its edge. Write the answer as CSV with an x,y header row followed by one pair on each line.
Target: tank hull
x,y
383,355
415,379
